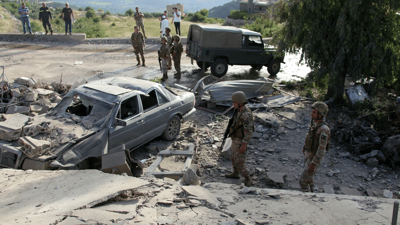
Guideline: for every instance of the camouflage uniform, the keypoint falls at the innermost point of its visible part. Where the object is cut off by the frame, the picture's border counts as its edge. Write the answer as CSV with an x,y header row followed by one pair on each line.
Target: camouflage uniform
x,y
314,149
169,43
139,21
137,41
243,123
177,48
164,51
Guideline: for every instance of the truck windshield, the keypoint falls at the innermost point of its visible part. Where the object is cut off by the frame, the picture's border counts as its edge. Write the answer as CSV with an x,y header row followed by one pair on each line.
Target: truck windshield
x,y
255,41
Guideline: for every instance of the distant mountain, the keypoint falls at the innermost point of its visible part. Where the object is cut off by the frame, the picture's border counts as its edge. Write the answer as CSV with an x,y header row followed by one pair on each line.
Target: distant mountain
x,y
223,11
121,6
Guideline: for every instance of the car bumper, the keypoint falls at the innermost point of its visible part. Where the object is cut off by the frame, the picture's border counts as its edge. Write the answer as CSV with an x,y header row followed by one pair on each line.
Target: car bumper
x,y
187,116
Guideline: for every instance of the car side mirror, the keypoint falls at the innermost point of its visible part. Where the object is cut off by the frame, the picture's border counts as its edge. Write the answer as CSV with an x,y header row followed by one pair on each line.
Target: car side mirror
x,y
121,123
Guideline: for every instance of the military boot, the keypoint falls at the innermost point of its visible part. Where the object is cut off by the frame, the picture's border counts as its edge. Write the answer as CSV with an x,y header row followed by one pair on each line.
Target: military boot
x,y
46,32
177,75
234,175
51,31
247,181
138,63
165,77
143,61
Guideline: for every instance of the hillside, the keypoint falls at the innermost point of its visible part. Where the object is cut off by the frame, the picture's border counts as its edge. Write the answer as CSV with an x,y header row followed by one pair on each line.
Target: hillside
x,y
6,23
121,6
223,11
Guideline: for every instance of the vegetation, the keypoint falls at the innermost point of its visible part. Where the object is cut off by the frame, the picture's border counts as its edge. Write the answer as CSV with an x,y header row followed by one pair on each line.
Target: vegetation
x,y
129,12
343,37
201,16
265,27
224,10
88,8
238,15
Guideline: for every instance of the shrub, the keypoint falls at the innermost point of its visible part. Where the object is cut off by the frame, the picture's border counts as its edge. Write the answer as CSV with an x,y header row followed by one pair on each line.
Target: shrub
x,y
90,14
236,15
89,27
148,15
88,8
113,24
129,12
35,26
80,9
96,19
265,27
100,10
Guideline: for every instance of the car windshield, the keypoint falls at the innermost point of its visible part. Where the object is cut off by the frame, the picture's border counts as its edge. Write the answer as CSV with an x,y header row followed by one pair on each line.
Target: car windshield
x,y
90,109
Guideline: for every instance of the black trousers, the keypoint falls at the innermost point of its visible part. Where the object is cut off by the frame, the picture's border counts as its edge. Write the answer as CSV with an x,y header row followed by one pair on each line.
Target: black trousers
x,y
177,28
46,22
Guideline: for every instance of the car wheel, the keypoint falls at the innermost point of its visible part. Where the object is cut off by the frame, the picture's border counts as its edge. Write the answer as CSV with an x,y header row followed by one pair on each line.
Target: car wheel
x,y
257,67
219,67
274,66
200,64
172,129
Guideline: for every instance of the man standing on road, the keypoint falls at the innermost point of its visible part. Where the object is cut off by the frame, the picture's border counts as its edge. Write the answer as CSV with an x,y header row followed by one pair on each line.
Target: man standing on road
x,y
44,17
241,132
24,12
138,16
66,15
138,44
176,51
164,50
177,21
315,146
169,43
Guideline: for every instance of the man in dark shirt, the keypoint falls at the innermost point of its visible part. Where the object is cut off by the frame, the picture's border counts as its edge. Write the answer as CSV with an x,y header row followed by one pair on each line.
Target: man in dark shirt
x,y
44,17
66,16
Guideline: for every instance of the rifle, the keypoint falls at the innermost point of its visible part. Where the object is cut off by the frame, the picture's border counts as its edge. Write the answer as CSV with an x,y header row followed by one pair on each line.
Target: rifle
x,y
159,59
226,134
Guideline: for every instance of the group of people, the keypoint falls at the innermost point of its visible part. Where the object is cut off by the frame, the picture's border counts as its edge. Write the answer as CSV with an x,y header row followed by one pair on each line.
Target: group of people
x,y
241,130
171,49
163,18
45,16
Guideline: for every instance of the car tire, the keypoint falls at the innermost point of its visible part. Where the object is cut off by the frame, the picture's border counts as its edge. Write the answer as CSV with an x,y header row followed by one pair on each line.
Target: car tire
x,y
257,67
200,64
172,129
274,67
219,67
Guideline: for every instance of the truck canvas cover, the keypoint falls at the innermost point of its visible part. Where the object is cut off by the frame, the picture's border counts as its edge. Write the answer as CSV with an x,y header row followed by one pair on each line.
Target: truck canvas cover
x,y
212,36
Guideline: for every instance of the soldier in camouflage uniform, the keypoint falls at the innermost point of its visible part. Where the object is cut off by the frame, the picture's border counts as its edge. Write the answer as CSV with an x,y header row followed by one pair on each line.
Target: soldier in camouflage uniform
x,y
241,132
164,51
169,43
138,44
176,52
315,146
138,16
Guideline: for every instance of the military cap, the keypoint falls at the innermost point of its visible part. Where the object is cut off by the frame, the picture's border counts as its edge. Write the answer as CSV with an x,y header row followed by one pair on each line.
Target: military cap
x,y
239,97
321,107
177,38
168,28
164,39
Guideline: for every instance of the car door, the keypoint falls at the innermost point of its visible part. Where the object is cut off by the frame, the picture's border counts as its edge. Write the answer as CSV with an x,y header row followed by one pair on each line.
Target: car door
x,y
132,134
156,113
255,54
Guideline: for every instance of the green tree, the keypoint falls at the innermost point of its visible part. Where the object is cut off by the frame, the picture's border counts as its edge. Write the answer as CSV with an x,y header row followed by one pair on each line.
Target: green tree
x,y
204,12
90,14
88,8
342,37
129,12
80,9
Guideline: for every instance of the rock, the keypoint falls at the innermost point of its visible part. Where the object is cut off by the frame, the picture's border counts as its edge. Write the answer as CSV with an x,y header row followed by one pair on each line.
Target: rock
x,y
15,93
87,124
356,94
374,172
374,193
276,178
33,83
31,96
381,157
257,135
350,191
45,102
391,149
247,190
364,157
242,222
190,178
76,118
331,173
281,130
22,81
18,109
387,194
36,108
268,119
373,153
262,222
329,189
372,162
260,170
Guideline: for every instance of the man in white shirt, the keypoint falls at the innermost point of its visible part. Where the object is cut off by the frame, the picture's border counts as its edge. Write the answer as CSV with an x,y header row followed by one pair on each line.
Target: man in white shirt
x,y
164,24
177,21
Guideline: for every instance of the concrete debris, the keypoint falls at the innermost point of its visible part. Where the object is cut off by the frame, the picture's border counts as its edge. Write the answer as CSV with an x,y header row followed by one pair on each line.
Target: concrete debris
x,y
18,109
201,194
190,178
242,222
11,128
391,150
356,94
372,162
268,119
262,222
33,147
87,124
36,108
226,150
276,178
329,189
15,93
350,191
31,96
22,81
247,190
387,194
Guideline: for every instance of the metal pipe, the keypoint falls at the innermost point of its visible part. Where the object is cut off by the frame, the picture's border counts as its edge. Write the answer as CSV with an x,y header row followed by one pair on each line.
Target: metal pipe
x,y
395,212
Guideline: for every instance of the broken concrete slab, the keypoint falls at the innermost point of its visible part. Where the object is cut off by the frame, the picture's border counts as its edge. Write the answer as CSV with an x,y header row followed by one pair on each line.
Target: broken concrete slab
x,y
36,108
22,81
372,162
98,216
44,92
387,194
11,128
374,193
329,189
202,194
57,193
15,93
242,222
18,109
268,119
33,147
190,178
31,96
222,191
276,178
350,191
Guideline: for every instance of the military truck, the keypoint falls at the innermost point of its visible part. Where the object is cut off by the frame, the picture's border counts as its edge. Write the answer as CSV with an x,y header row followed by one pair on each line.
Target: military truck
x,y
219,46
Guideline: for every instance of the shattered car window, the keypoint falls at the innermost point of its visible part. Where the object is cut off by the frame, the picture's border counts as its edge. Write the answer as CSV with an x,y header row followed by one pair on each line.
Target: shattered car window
x,y
89,109
255,41
149,101
128,108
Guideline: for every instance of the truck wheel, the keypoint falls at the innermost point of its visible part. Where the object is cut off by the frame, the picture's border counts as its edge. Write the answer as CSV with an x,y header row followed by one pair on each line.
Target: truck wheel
x,y
257,67
172,129
274,66
219,67
200,64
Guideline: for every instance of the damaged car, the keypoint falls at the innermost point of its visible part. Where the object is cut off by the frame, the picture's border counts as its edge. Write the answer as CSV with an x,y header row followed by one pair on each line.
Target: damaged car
x,y
94,122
